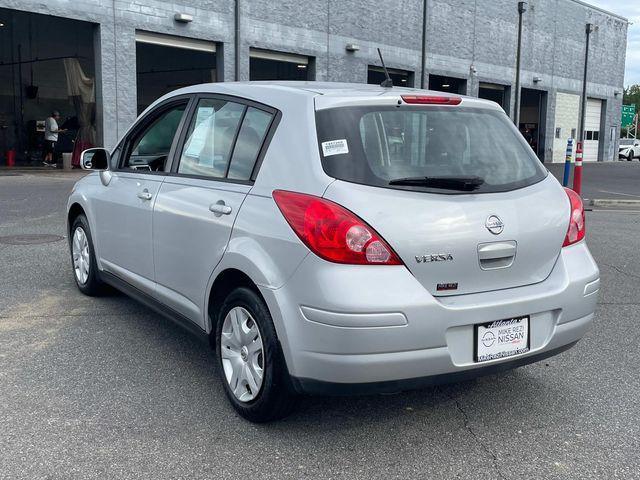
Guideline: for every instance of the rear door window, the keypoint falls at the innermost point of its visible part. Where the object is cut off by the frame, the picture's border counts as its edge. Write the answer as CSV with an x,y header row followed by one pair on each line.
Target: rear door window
x,y
377,145
250,139
210,138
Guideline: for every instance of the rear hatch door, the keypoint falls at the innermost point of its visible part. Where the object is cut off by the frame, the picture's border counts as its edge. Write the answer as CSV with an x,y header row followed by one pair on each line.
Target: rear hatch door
x,y
399,162
446,241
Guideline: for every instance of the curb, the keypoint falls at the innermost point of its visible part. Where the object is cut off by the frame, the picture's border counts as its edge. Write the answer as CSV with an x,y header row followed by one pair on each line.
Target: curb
x,y
38,170
610,202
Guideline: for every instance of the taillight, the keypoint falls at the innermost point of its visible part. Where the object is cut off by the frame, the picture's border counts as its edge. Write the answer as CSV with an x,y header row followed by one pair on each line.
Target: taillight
x,y
576,230
431,99
332,232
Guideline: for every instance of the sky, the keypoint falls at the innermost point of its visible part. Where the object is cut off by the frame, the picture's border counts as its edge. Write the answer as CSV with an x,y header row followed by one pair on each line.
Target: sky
x,y
629,9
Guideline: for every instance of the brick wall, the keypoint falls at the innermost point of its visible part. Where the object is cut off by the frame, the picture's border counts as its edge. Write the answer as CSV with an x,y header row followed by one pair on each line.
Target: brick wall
x,y
462,35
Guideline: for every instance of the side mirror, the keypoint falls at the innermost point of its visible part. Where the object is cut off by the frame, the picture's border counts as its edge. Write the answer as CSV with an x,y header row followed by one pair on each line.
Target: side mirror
x,y
95,159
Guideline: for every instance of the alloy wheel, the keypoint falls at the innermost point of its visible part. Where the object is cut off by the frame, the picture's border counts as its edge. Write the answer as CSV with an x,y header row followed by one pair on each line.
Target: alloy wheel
x,y
80,253
242,353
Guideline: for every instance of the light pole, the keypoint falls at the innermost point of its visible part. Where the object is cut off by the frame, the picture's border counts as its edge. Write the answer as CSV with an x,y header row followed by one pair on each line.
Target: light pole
x,y
424,43
583,107
522,7
577,174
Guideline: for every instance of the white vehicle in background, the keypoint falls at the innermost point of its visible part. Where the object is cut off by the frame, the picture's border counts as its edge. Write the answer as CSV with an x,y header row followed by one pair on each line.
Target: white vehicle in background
x,y
629,148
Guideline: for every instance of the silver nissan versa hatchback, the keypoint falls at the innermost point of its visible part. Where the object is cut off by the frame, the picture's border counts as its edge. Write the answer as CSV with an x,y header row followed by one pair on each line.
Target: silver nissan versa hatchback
x,y
337,238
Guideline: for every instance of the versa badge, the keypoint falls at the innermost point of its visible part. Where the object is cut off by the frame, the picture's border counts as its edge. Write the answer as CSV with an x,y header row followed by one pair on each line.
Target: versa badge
x,y
438,257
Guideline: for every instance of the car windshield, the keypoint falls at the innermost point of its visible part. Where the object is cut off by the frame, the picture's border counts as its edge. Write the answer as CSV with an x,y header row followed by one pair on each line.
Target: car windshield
x,y
426,148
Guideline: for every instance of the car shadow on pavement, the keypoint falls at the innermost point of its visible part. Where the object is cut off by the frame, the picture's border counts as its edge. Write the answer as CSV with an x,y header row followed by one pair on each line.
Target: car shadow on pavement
x,y
495,393
506,391
513,391
113,347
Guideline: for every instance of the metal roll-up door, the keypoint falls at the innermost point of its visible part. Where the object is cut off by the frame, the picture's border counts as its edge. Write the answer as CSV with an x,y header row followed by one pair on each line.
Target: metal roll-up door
x,y
175,42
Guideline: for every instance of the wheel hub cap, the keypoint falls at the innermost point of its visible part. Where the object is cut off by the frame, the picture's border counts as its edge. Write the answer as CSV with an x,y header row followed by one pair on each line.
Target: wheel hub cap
x,y
242,353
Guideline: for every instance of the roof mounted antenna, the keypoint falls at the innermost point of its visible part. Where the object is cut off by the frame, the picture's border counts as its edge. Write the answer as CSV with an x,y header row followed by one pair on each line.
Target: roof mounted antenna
x,y
387,83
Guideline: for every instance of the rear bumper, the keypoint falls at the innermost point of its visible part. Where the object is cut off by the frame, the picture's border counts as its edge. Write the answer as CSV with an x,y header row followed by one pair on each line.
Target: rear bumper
x,y
310,386
353,329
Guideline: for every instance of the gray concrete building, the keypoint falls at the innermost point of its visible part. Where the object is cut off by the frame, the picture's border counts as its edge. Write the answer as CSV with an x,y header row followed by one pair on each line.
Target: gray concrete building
x,y
101,62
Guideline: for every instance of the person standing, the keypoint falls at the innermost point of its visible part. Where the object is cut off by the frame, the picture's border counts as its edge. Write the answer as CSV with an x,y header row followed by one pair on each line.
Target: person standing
x,y
51,131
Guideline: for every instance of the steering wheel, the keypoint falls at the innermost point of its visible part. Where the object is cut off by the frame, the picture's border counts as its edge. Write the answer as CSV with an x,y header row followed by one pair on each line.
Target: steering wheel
x,y
157,164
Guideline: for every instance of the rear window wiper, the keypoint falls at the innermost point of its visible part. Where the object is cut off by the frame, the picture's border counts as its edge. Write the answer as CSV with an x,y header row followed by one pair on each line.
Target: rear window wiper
x,y
464,183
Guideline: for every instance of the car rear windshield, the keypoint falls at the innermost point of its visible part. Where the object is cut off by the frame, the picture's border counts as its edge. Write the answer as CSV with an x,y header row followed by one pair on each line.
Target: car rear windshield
x,y
379,145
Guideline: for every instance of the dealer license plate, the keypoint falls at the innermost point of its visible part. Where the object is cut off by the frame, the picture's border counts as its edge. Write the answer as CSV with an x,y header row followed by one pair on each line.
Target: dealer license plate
x,y
501,339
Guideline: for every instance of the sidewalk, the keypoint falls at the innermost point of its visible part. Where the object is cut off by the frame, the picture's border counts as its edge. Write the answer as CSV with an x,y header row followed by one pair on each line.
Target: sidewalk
x,y
39,170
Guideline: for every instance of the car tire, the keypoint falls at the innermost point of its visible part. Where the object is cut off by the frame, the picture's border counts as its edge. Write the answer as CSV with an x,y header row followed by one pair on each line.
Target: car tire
x,y
243,325
630,156
83,260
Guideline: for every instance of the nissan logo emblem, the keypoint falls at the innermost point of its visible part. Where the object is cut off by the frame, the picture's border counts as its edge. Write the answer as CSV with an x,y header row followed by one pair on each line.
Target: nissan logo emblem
x,y
494,225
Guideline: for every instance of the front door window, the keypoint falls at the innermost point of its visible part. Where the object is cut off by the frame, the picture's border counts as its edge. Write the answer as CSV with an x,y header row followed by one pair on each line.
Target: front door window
x,y
150,147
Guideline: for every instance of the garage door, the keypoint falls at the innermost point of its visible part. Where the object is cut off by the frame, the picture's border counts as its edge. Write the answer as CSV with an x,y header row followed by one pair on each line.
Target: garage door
x,y
270,65
567,113
166,62
592,130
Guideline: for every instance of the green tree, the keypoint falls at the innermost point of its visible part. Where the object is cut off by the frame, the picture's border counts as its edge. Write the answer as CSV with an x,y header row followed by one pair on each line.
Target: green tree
x,y
632,96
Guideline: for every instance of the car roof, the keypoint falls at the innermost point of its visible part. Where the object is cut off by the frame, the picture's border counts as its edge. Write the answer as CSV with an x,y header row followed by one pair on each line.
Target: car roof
x,y
326,94
308,88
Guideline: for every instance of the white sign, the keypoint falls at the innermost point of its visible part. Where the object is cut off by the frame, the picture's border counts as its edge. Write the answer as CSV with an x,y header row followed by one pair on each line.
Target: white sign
x,y
335,147
502,338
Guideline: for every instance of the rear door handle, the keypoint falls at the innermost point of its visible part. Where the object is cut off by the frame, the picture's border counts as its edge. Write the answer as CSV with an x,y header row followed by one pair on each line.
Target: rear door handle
x,y
497,255
493,250
145,195
219,208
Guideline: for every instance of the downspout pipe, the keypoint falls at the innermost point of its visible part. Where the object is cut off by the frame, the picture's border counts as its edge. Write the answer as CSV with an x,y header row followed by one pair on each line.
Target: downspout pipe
x,y
522,7
237,40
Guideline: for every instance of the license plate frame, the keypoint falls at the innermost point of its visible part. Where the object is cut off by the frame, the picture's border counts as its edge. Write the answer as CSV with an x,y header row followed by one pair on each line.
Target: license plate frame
x,y
482,356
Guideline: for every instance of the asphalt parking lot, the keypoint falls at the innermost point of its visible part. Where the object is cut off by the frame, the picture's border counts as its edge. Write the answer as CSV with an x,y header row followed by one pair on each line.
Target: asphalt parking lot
x,y
605,180
104,388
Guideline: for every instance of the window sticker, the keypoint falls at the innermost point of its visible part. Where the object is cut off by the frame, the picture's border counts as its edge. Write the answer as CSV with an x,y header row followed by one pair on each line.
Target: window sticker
x,y
335,147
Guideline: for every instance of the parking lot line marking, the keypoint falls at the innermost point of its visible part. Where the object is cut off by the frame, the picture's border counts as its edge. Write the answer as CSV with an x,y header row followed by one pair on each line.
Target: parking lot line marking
x,y
613,211
620,193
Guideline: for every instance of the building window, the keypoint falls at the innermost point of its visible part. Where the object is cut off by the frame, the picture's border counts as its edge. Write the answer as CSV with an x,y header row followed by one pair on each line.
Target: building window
x,y
269,65
558,132
400,78
574,132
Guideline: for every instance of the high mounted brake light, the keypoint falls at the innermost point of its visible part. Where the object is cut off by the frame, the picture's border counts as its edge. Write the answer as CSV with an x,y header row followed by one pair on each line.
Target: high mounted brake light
x,y
332,232
431,100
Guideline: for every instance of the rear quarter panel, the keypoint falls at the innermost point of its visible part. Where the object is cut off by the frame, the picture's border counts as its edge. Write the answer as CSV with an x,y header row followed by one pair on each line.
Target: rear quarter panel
x,y
292,161
262,245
